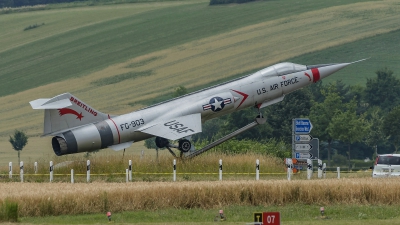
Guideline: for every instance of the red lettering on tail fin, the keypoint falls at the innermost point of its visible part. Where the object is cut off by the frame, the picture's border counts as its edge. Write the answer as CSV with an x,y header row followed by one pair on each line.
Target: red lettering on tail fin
x,y
64,111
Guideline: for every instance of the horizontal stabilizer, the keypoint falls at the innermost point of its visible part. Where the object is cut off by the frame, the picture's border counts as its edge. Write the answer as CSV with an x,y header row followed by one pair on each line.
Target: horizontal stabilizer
x,y
121,146
44,103
174,129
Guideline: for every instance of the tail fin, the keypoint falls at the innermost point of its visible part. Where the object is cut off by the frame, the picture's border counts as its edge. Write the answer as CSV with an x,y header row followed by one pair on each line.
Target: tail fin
x,y
65,112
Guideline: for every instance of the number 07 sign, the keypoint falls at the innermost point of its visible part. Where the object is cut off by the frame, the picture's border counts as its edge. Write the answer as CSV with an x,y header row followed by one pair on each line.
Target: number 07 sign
x,y
267,218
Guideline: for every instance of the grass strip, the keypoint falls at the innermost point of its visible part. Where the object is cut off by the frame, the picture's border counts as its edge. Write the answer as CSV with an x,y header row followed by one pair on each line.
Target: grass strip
x,y
290,214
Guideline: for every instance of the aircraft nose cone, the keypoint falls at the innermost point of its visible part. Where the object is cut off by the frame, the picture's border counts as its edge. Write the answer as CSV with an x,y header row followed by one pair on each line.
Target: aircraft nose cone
x,y
320,72
328,70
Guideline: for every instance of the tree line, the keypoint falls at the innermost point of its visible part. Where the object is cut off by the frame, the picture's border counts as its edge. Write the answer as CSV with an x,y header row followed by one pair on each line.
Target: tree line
x,y
19,3
219,2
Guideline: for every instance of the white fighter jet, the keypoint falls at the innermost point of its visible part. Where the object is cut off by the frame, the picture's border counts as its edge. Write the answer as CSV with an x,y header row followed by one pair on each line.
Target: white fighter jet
x,y
77,127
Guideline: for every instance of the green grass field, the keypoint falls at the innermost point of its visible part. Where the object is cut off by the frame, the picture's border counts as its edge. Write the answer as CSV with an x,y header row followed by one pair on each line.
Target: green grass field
x,y
290,214
74,42
114,57
382,51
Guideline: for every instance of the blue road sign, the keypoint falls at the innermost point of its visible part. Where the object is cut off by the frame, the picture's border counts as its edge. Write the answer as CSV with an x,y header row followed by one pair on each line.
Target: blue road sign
x,y
303,155
302,126
305,138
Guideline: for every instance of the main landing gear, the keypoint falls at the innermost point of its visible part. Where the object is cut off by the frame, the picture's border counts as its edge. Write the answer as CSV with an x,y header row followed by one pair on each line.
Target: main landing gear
x,y
185,145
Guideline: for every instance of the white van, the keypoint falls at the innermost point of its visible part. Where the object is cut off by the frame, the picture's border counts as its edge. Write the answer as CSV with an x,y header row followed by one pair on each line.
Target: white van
x,y
387,165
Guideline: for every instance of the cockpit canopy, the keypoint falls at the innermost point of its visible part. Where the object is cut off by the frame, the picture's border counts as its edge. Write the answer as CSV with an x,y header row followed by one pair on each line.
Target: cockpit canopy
x,y
282,69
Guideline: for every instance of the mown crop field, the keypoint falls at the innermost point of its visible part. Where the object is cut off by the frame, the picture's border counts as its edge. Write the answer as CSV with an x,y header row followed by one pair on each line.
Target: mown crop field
x,y
115,57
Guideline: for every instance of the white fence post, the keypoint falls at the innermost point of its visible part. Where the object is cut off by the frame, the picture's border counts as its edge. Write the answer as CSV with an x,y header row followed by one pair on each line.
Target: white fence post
x,y
72,176
130,170
10,170
51,171
257,169
88,171
338,172
319,168
324,170
220,169
127,175
21,170
289,165
35,167
174,168
309,169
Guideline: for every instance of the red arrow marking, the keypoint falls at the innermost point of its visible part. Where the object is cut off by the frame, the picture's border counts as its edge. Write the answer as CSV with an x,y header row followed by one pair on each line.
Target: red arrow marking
x,y
64,111
308,75
244,97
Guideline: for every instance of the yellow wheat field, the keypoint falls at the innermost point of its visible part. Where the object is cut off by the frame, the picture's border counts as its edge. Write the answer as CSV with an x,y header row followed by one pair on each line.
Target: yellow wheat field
x,y
37,199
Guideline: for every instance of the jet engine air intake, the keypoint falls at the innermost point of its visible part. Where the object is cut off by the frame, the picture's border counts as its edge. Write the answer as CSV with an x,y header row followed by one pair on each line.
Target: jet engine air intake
x,y
59,146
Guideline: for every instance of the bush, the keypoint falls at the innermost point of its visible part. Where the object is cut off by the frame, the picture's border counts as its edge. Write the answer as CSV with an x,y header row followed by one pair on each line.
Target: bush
x,y
360,163
9,211
339,159
33,26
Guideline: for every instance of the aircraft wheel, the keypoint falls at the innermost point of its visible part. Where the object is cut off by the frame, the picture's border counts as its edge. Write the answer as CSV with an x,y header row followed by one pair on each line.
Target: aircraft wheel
x,y
161,142
185,145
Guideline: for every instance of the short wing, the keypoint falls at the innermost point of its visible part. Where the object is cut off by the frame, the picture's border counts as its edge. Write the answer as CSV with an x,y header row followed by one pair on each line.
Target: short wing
x,y
175,128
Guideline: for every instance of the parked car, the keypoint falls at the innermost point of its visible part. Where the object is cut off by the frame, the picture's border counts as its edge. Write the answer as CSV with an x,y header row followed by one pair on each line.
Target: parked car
x,y
386,165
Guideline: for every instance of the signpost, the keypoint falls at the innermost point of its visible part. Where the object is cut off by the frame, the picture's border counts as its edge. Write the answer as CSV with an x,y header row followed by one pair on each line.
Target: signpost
x,y
303,137
302,126
315,150
304,146
303,155
270,218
